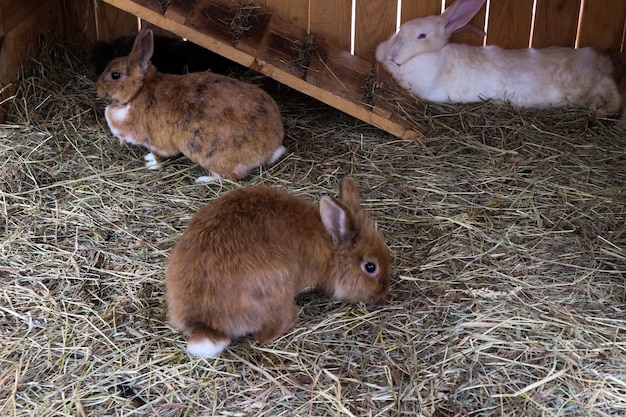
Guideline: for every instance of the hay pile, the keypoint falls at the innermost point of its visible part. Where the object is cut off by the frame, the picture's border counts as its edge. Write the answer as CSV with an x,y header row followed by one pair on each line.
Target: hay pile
x,y
508,230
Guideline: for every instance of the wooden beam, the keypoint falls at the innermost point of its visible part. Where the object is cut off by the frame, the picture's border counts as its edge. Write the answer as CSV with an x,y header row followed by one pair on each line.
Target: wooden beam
x,y
204,25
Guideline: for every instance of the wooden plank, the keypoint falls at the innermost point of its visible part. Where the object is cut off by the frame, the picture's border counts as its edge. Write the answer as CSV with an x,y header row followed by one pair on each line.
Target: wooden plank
x,y
414,9
339,76
331,21
109,22
294,12
602,24
224,19
374,19
14,12
179,10
20,39
198,29
338,72
509,23
546,32
284,47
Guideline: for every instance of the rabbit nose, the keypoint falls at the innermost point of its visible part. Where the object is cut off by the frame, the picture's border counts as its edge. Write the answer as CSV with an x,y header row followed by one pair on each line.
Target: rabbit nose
x,y
377,302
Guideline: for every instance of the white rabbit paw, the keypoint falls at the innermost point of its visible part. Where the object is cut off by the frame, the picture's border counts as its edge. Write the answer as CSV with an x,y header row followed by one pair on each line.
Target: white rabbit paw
x,y
208,178
206,348
151,161
278,153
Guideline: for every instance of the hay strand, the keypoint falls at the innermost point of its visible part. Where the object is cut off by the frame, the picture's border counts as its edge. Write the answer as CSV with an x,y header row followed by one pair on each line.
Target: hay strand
x,y
507,226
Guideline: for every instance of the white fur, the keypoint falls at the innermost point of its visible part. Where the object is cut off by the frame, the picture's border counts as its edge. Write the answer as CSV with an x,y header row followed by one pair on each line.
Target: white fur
x,y
117,114
207,348
435,70
280,151
151,162
208,178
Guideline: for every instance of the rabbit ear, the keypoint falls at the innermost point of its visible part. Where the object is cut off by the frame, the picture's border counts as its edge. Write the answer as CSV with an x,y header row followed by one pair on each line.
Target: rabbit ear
x,y
458,15
336,219
349,194
142,51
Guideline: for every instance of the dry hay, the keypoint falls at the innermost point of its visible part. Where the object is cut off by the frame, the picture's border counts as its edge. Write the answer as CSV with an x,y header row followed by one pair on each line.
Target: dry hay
x,y
508,230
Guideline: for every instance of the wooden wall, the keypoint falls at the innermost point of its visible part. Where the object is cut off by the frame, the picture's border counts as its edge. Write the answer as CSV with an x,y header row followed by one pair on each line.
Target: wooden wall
x,y
600,23
23,27
555,22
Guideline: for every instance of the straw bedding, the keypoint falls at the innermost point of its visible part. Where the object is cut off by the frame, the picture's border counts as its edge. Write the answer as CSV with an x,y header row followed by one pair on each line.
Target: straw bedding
x,y
508,234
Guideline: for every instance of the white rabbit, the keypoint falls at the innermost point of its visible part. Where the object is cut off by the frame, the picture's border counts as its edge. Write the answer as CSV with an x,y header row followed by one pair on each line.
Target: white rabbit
x,y
421,60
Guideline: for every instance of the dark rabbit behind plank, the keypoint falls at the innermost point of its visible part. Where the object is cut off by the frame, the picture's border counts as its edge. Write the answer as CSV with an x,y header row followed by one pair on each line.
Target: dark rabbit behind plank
x,y
171,55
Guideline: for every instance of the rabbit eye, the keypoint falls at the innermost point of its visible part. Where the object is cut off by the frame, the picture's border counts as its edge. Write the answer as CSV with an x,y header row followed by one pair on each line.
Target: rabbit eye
x,y
116,75
421,36
369,267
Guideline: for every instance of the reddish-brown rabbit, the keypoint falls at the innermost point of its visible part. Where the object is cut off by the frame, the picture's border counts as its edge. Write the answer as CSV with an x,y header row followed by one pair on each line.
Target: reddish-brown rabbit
x,y
245,256
225,125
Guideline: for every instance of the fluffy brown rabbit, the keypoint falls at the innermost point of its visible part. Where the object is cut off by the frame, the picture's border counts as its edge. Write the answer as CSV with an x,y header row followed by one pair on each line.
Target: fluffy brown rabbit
x,y
225,125
245,256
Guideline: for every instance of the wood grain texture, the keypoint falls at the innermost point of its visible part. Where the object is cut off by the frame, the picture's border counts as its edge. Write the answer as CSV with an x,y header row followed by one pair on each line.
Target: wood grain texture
x,y
412,9
294,12
556,23
509,23
331,21
602,24
25,27
374,20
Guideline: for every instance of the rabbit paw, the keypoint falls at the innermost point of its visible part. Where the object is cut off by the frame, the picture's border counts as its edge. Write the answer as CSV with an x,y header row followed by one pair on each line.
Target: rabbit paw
x,y
278,153
206,348
152,162
208,178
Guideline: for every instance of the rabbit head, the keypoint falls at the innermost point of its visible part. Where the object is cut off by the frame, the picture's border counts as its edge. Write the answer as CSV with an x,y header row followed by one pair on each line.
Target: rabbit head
x,y
430,33
124,76
361,265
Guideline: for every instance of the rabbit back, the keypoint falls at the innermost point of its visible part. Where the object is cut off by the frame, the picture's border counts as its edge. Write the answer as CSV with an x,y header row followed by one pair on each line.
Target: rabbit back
x,y
239,260
223,124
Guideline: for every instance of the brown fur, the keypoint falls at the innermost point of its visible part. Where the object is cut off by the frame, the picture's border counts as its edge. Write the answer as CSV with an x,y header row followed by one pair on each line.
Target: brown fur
x,y
245,256
226,125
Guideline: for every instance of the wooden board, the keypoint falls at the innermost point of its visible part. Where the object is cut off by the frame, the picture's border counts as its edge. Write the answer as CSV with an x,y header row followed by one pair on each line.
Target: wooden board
x,y
24,28
367,32
602,24
510,23
331,21
546,33
334,76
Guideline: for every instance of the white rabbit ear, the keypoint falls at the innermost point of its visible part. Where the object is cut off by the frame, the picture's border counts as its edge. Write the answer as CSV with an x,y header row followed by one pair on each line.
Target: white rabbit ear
x,y
336,220
458,15
473,29
142,50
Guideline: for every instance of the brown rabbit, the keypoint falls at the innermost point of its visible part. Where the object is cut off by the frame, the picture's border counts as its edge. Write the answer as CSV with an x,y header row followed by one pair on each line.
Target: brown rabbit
x,y
245,256
226,125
